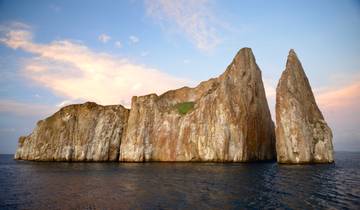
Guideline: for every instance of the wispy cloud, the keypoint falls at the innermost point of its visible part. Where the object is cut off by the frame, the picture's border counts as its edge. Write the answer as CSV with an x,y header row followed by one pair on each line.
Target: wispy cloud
x,y
194,18
25,109
76,72
341,98
104,38
133,39
340,106
69,101
118,44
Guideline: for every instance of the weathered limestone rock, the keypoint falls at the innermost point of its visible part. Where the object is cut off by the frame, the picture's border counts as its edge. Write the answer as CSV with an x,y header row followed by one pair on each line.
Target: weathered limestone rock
x,y
84,132
222,119
302,135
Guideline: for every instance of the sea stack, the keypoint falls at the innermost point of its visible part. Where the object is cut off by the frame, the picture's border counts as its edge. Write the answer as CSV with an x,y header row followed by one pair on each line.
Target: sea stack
x,y
224,119
302,135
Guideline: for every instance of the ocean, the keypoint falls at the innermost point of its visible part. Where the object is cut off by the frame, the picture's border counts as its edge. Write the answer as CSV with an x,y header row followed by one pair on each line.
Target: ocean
x,y
113,185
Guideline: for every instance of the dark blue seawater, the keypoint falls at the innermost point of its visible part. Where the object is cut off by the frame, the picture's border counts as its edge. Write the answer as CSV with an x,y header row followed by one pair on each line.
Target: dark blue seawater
x,y
53,185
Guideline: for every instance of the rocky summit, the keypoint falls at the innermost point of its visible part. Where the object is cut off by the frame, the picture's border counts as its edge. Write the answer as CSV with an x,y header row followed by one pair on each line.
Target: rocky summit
x,y
222,119
225,119
302,135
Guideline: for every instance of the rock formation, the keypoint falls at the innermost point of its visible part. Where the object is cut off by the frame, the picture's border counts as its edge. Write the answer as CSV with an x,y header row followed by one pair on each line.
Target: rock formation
x,y
223,119
86,132
302,135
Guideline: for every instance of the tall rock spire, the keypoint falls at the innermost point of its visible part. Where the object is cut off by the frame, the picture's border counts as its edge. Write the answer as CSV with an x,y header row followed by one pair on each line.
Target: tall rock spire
x,y
228,120
302,135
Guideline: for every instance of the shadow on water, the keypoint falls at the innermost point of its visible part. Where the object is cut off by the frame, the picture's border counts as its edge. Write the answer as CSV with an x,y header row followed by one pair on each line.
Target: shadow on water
x,y
62,185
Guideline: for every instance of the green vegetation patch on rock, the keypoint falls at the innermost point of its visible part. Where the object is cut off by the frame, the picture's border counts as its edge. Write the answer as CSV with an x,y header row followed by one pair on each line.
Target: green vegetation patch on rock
x,y
185,107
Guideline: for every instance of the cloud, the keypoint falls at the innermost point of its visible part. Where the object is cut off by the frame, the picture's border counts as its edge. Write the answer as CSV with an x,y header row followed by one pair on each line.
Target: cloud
x,y
118,44
341,98
341,104
193,18
25,109
68,102
340,107
19,37
76,72
104,38
134,39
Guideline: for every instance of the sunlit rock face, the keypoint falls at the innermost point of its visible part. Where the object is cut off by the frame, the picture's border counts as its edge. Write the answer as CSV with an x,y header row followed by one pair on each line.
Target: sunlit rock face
x,y
84,132
223,119
302,135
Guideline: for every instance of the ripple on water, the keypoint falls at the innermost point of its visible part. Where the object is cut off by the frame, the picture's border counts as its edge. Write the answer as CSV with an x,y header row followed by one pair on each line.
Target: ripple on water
x,y
33,185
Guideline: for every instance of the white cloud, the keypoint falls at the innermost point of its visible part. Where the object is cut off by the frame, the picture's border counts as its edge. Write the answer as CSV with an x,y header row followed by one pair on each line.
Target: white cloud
x,y
68,102
76,72
134,39
19,36
193,18
104,38
118,44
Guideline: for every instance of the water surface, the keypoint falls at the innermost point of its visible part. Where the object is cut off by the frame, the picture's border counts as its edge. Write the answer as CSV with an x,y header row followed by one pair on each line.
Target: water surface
x,y
62,185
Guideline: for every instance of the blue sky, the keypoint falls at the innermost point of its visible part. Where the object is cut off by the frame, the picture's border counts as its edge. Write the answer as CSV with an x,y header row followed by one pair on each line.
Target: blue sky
x,y
53,53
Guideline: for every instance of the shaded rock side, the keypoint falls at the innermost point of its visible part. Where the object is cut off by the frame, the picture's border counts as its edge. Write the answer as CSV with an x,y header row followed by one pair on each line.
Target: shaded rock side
x,y
83,132
302,135
222,119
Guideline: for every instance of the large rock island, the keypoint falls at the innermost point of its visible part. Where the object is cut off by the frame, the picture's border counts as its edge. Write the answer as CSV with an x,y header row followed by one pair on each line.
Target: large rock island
x,y
302,135
225,119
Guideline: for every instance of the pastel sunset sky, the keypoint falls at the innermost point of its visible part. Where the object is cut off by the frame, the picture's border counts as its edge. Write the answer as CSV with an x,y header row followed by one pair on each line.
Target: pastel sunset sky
x,y
55,53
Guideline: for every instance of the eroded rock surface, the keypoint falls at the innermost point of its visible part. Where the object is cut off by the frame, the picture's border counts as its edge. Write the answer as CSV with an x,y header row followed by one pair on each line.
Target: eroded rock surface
x,y
222,119
83,132
302,135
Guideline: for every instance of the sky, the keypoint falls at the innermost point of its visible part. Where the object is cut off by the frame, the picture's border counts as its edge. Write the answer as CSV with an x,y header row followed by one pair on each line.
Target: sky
x,y
55,53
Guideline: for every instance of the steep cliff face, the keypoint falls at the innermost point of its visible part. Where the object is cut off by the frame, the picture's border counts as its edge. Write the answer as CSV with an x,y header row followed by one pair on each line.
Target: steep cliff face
x,y
222,119
302,135
84,132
